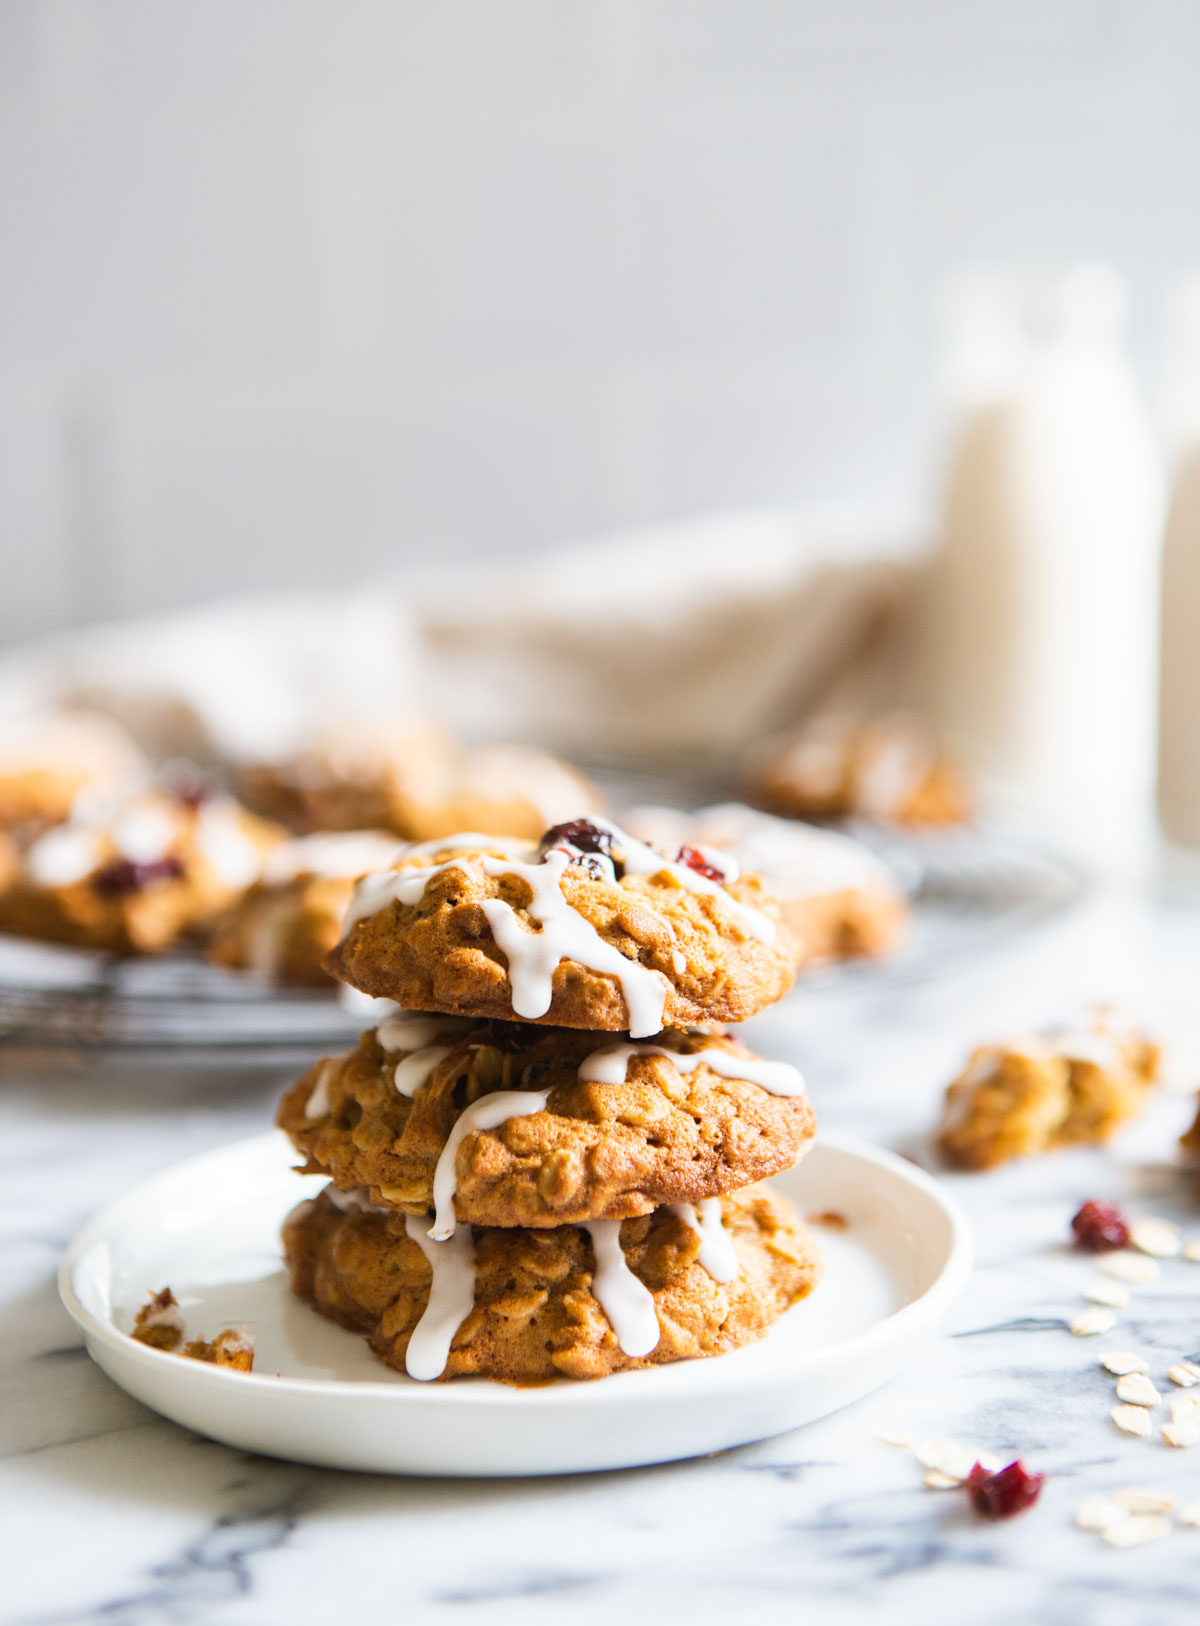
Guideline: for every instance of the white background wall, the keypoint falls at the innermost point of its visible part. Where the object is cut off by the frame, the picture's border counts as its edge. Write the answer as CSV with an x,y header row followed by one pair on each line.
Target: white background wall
x,y
291,290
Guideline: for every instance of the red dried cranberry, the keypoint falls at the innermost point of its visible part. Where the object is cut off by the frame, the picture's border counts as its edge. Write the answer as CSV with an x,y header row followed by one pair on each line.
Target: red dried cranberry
x,y
122,876
697,861
1001,1495
588,840
1099,1228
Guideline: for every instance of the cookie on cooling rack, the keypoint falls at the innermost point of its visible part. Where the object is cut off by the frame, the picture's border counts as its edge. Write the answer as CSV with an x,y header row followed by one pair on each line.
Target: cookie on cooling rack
x,y
137,881
49,762
891,769
526,1306
589,928
288,921
508,1124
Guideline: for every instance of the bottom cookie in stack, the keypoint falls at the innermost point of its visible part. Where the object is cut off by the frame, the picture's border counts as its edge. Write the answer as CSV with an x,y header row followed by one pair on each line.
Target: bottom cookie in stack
x,y
528,1305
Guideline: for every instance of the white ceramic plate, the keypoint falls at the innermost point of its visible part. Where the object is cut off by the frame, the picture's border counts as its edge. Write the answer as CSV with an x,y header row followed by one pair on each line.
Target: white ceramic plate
x,y
209,1228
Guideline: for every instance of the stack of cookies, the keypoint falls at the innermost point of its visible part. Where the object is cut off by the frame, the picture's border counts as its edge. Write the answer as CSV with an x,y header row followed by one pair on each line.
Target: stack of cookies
x,y
546,1162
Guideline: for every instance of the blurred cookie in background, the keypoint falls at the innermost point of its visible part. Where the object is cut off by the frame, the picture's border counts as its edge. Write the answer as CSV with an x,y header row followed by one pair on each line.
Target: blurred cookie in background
x,y
1063,1087
838,899
410,778
137,878
892,769
48,761
291,918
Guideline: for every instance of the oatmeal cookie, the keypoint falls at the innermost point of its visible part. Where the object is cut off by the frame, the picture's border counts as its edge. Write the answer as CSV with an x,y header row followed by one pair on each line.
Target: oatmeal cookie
x,y
1190,1139
1062,1088
892,769
10,861
656,1126
48,762
408,778
286,924
136,882
531,1310
590,929
839,901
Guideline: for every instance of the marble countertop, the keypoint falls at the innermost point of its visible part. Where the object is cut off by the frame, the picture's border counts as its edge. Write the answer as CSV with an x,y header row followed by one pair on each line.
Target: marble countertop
x,y
111,1514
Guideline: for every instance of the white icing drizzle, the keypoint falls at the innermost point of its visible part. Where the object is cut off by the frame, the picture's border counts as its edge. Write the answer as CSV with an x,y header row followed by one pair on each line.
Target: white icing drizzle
x,y
565,935
609,1066
643,860
144,834
63,856
416,1069
451,1298
679,962
318,1103
406,1031
356,1198
626,1301
717,1255
489,1112
223,843
338,855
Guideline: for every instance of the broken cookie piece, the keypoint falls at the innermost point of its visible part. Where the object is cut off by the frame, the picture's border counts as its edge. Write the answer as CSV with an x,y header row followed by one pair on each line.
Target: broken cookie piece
x,y
232,1347
1064,1087
159,1322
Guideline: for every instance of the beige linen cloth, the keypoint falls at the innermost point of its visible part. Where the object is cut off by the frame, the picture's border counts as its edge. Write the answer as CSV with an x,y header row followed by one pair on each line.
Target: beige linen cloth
x,y
661,644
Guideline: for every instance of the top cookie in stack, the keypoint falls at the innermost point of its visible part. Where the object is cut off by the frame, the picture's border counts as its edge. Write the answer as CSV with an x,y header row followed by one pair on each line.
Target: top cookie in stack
x,y
586,929
511,1198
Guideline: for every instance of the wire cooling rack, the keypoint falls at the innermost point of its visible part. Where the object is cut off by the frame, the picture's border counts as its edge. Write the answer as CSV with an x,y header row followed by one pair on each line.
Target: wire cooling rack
x,y
971,890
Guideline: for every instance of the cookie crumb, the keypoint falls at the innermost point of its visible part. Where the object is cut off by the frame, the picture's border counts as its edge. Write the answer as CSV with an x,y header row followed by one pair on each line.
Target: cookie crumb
x,y
232,1347
159,1322
830,1219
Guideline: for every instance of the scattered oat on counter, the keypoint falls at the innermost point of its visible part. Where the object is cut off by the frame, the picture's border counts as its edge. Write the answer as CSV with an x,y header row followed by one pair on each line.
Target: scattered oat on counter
x,y
1122,1361
1190,1515
1191,1252
1138,1269
1096,1320
1136,1389
1137,1530
1156,1237
1113,1294
1132,1420
1184,1373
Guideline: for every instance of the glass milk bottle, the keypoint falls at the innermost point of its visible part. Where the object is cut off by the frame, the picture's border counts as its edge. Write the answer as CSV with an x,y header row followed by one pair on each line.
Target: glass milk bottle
x,y
1179,672
1042,636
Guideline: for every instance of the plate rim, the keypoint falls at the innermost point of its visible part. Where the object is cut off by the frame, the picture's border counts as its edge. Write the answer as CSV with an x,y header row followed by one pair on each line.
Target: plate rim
x,y
931,1303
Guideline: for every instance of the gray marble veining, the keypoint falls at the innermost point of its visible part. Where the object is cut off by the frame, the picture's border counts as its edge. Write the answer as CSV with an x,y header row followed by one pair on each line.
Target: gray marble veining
x,y
111,1515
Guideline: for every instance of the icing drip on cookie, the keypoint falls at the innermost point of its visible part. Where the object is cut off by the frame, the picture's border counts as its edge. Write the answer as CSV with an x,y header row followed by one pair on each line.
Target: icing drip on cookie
x,y
565,935
626,1301
347,1202
451,1298
223,843
609,1066
318,1104
404,1031
489,1112
63,856
717,1255
416,1069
